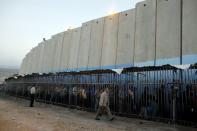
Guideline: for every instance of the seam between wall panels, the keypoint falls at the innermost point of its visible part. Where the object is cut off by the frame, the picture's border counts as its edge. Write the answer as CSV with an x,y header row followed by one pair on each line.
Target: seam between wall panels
x,y
79,46
155,57
89,44
61,52
70,40
181,32
117,38
102,42
134,35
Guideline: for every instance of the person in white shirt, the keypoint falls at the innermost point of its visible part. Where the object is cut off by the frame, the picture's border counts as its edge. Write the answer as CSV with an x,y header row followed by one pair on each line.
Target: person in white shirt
x,y
32,95
104,105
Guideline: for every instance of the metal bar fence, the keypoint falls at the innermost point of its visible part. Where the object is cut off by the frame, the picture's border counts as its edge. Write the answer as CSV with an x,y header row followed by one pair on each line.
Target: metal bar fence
x,y
164,94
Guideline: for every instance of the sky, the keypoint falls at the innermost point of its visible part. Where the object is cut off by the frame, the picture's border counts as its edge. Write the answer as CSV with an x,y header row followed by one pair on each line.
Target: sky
x,y
24,23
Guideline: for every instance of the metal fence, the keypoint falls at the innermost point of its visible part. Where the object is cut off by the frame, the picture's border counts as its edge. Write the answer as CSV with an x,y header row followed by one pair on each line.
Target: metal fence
x,y
154,93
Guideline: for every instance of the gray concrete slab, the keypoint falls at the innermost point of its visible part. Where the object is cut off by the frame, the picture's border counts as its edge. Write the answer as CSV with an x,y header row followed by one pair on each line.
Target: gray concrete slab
x,y
49,56
145,33
33,60
84,46
42,68
66,50
74,46
168,32
23,65
41,57
126,31
110,38
96,43
54,40
28,65
189,31
38,56
59,40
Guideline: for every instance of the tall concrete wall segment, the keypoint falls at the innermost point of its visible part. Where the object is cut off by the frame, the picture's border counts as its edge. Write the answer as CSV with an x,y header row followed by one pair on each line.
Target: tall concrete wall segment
x,y
41,57
145,33
189,31
110,40
126,31
74,47
156,32
50,55
84,46
59,40
28,67
22,66
96,43
168,32
66,50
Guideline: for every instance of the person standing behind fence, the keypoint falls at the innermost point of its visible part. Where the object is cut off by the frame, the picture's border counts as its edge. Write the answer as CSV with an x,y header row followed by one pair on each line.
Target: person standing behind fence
x,y
97,98
104,105
32,95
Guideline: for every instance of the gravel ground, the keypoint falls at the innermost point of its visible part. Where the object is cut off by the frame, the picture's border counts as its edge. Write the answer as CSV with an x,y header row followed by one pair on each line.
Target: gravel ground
x,y
15,115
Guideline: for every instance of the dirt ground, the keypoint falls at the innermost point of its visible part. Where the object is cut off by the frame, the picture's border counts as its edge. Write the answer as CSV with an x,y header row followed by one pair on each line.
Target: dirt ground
x,y
15,115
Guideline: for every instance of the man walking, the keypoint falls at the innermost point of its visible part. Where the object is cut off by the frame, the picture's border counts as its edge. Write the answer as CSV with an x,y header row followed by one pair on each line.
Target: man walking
x,y
32,95
104,105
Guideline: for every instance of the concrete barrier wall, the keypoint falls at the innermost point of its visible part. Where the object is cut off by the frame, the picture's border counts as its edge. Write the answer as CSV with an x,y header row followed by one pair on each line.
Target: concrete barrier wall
x,y
96,43
189,31
145,33
46,58
22,66
168,32
50,55
34,60
74,47
38,54
84,46
33,55
42,68
66,50
110,40
148,35
59,40
41,57
27,66
126,31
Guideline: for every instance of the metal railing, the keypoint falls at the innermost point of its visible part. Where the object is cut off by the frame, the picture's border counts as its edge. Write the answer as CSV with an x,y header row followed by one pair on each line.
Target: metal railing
x,y
165,94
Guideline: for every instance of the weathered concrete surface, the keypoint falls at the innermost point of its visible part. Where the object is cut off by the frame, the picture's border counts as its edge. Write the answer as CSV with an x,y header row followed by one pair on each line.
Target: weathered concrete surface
x,y
22,66
126,30
84,46
27,68
33,60
54,47
66,50
145,33
168,32
50,55
37,58
96,43
74,46
45,64
110,40
43,68
189,31
59,40
40,57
